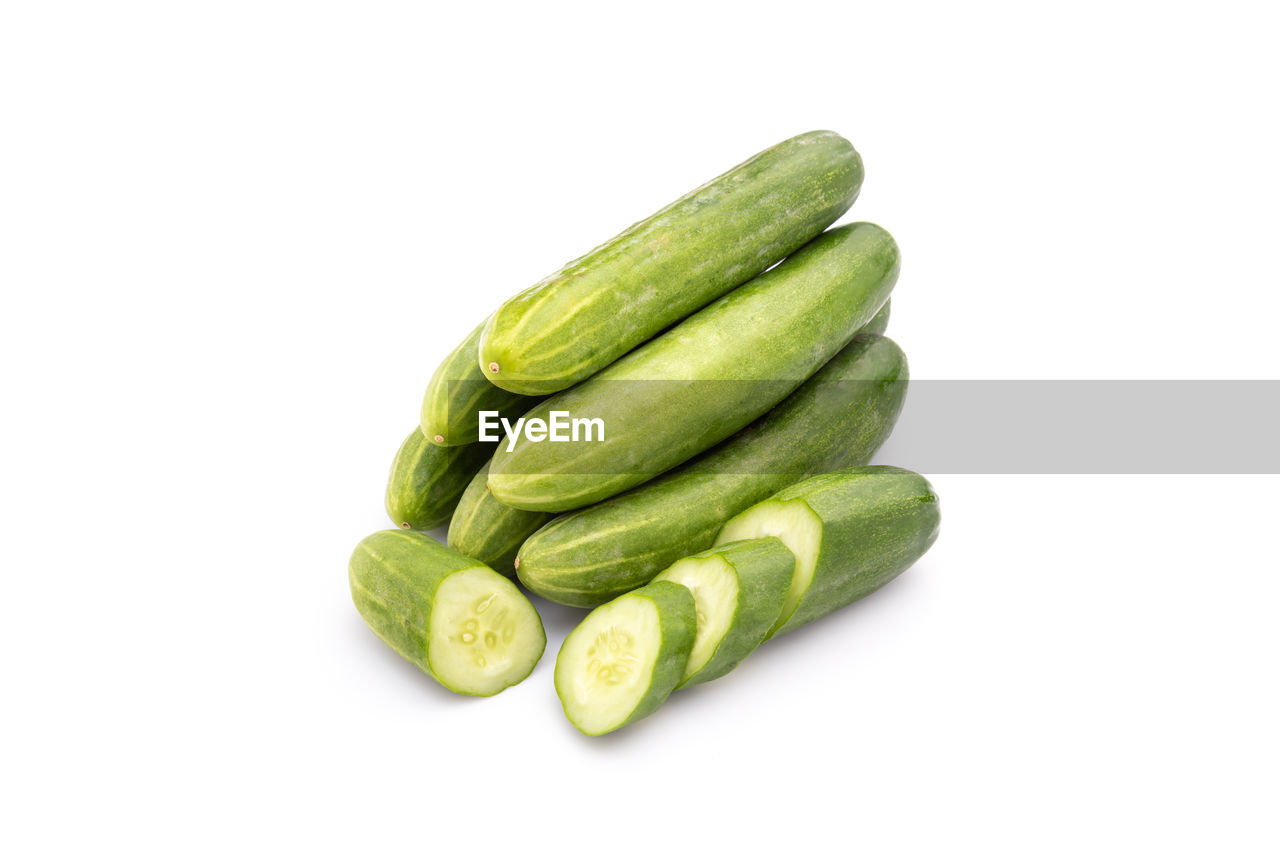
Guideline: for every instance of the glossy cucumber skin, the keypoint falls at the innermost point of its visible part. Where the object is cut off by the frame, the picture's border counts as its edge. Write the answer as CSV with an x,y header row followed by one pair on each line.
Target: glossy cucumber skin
x,y
678,623
490,531
427,480
598,307
877,521
766,338
763,568
840,417
458,392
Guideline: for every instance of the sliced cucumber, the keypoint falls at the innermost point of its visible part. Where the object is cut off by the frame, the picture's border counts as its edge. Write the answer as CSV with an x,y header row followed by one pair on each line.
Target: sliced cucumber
x,y
626,657
738,591
456,619
851,531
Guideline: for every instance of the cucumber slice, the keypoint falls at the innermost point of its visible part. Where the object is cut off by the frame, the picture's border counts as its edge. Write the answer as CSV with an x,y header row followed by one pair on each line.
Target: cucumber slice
x,y
454,618
738,591
851,531
800,531
626,657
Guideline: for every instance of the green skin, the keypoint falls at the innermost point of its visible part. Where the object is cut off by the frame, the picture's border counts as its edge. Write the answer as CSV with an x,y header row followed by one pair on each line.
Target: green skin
x,y
595,309
458,392
838,418
773,332
764,568
877,521
880,322
489,531
426,481
678,621
394,575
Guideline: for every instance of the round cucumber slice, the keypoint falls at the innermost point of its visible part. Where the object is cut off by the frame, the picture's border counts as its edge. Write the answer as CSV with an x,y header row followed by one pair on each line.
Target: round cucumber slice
x,y
800,530
626,657
483,635
738,591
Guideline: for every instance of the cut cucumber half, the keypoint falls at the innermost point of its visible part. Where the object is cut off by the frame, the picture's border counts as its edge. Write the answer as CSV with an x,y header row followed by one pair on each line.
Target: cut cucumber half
x,y
455,618
851,531
738,591
626,657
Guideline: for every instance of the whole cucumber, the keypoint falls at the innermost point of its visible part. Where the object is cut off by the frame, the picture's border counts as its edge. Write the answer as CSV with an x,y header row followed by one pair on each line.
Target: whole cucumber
x,y
597,308
840,417
706,378
487,530
427,480
458,392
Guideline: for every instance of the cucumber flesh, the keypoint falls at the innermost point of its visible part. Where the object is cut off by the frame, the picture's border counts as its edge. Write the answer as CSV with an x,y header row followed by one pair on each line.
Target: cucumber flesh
x,y
800,530
484,636
626,657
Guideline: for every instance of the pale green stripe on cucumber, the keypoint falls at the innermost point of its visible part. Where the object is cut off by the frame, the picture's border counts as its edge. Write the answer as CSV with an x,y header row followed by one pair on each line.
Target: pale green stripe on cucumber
x,y
838,418
454,618
596,308
427,480
487,530
768,336
626,657
851,531
458,392
738,591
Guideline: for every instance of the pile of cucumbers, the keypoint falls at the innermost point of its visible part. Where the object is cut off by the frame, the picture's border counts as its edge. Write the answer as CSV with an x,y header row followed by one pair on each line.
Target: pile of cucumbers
x,y
732,346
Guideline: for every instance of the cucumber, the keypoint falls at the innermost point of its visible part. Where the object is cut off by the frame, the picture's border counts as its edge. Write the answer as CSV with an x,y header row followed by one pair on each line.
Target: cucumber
x,y
878,323
738,591
426,480
458,392
489,531
626,657
596,308
851,531
454,618
707,378
840,417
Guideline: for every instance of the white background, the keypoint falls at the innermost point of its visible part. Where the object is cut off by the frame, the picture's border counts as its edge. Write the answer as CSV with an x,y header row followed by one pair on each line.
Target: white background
x,y
237,237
